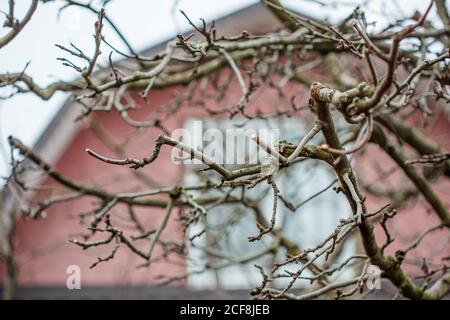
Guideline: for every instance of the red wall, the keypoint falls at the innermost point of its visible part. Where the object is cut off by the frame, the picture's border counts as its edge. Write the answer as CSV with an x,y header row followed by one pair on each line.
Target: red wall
x,y
43,248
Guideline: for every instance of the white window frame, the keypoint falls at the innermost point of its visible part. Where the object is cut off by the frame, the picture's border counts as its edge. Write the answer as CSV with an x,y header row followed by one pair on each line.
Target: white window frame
x,y
307,227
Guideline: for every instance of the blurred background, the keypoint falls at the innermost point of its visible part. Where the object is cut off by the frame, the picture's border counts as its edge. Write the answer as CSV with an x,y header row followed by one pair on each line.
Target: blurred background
x,y
45,256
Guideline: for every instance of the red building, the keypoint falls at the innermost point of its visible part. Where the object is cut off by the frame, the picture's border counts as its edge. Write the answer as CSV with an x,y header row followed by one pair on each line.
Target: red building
x,y
43,248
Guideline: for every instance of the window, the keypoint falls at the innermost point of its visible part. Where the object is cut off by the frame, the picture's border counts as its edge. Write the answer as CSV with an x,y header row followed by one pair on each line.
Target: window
x,y
227,227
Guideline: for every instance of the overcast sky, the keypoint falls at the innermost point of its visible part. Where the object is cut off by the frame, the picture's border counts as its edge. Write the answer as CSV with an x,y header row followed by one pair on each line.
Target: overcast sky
x,y
144,23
